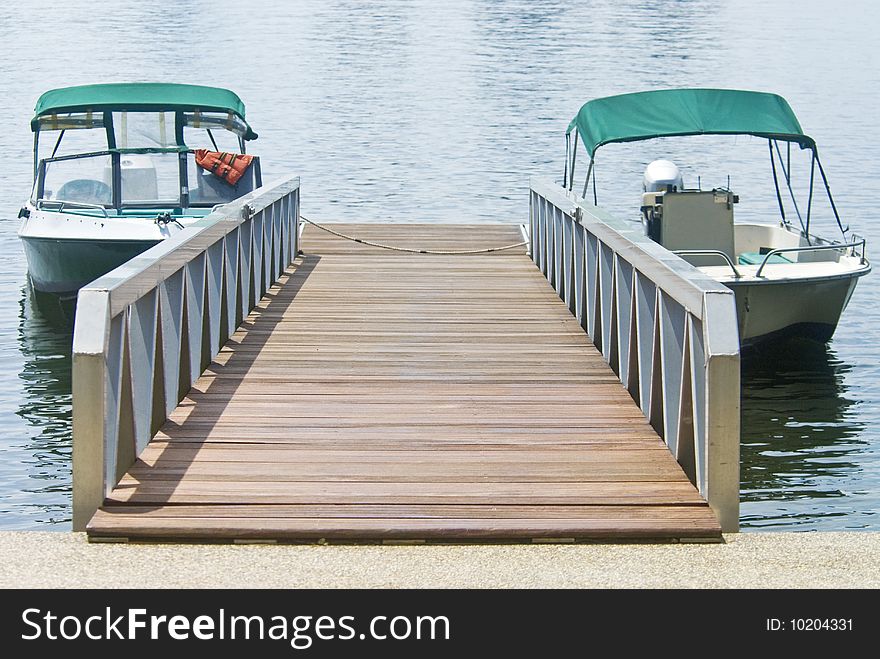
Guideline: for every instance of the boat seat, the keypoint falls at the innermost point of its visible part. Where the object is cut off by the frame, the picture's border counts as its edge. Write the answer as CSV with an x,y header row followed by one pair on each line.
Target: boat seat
x,y
756,258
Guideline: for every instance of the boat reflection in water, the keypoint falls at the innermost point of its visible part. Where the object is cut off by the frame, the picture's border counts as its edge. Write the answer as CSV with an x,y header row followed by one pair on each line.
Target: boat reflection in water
x,y
44,471
800,440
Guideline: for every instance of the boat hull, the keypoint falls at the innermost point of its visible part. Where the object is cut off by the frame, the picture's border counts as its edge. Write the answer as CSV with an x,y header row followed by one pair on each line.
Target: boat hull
x,y
67,250
63,266
770,310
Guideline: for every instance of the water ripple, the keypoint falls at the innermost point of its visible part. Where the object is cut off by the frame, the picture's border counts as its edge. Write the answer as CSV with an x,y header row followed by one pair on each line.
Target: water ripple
x,y
408,112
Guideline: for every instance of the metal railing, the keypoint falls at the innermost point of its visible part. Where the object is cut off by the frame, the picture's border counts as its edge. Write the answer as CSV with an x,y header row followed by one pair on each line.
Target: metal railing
x,y
841,247
710,252
668,331
61,205
146,331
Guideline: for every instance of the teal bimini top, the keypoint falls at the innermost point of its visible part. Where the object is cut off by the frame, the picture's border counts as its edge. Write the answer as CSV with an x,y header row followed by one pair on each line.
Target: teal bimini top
x,y
140,97
678,112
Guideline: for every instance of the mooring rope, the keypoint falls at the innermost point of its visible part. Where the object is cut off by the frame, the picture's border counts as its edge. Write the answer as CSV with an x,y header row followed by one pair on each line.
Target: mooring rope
x,y
410,249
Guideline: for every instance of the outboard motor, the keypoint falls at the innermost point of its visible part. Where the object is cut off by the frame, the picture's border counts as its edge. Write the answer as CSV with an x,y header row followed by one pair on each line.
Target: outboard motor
x,y
660,176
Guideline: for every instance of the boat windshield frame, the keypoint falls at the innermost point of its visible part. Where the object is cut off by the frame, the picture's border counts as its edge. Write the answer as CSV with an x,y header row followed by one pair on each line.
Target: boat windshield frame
x,y
183,118
184,200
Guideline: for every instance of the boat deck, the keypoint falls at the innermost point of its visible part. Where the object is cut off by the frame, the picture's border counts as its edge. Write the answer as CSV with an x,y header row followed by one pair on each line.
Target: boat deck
x,y
384,396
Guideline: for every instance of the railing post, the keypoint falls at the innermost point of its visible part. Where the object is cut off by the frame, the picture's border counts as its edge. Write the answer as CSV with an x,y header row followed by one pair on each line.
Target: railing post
x,y
722,410
90,339
294,229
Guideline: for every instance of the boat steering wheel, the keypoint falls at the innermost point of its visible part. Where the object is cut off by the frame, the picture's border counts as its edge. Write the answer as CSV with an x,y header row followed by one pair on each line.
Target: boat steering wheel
x,y
85,190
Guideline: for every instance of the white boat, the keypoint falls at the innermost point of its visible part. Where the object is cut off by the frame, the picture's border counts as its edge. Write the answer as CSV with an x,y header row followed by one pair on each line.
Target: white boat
x,y
787,280
117,169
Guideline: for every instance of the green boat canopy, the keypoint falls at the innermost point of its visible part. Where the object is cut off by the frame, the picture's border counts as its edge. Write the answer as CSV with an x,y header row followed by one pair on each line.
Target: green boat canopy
x,y
142,96
679,112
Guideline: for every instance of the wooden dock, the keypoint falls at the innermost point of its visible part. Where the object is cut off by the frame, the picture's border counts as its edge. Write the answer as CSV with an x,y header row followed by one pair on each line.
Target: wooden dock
x,y
383,396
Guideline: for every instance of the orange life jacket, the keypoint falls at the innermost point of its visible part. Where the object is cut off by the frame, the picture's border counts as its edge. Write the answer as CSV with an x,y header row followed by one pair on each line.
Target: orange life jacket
x,y
228,166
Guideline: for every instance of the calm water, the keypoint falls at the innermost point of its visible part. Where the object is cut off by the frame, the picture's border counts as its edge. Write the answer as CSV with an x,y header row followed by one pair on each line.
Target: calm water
x,y
399,111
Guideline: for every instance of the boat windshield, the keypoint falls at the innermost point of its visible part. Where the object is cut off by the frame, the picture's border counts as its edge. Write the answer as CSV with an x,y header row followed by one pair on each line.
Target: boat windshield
x,y
147,179
85,180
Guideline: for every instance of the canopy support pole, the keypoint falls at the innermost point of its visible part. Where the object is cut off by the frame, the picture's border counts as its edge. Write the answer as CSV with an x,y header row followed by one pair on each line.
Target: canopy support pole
x,y
843,229
787,173
57,143
787,160
776,182
36,153
810,196
565,181
595,198
587,180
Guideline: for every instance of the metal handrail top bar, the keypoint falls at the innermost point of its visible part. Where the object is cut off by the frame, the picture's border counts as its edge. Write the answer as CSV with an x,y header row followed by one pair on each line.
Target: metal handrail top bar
x,y
678,278
709,252
62,203
811,248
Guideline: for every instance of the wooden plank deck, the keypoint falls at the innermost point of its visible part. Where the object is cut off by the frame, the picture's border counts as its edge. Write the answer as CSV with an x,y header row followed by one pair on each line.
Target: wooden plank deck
x,y
378,395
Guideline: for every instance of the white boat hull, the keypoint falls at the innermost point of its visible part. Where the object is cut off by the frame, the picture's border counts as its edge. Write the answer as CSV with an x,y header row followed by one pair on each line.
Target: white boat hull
x,y
65,265
801,297
785,309
66,251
